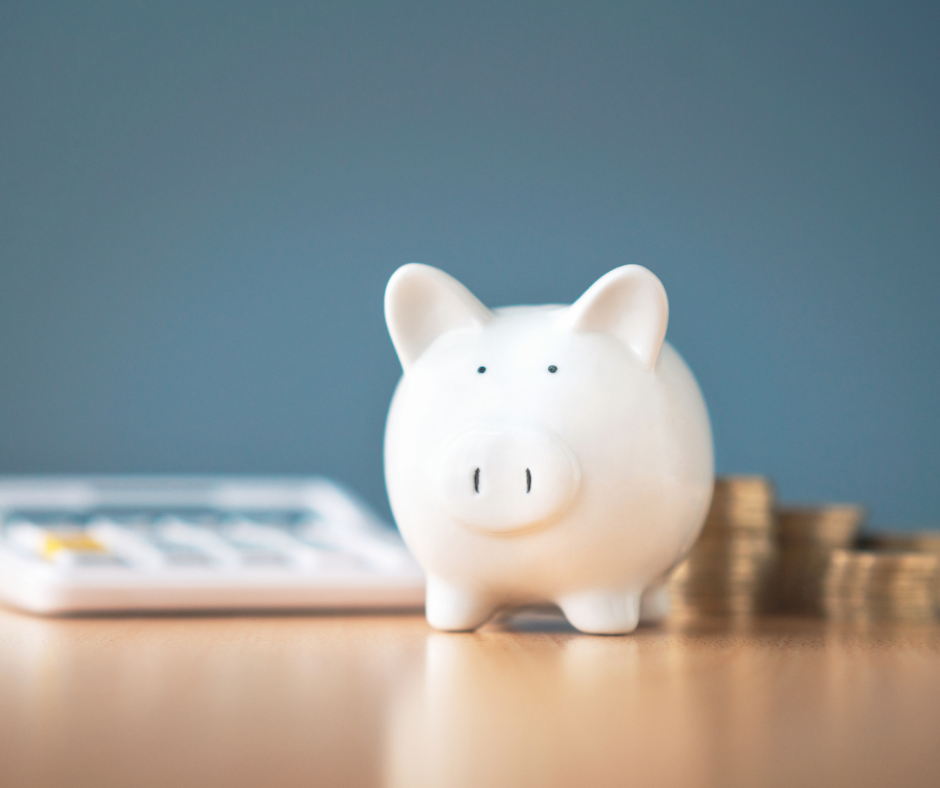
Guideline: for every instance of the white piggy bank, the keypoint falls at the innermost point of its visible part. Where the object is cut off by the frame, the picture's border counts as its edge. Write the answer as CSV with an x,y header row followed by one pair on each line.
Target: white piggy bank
x,y
544,453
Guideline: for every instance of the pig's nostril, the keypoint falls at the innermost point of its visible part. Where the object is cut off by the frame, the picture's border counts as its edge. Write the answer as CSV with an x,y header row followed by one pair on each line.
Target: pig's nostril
x,y
528,480
476,480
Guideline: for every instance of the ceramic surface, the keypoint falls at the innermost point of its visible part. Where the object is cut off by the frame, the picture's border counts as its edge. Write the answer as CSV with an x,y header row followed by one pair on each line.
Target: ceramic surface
x,y
544,453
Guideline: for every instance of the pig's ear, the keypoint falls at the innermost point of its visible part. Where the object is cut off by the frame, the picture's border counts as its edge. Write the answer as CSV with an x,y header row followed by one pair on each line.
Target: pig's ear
x,y
630,304
421,303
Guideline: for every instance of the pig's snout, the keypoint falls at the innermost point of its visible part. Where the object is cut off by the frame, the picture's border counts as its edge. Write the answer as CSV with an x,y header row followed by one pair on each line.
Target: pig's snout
x,y
504,480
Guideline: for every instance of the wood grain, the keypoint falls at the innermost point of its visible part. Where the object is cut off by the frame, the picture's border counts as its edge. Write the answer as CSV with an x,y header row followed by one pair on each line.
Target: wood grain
x,y
384,701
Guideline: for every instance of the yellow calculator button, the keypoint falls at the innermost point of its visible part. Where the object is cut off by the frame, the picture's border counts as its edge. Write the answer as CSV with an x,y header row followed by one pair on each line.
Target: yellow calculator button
x,y
77,542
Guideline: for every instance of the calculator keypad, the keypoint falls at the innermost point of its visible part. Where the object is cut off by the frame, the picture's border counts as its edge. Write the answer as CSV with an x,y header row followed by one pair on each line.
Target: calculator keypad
x,y
169,540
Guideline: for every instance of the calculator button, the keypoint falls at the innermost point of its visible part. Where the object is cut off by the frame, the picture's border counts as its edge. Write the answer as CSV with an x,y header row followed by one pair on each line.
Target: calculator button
x,y
63,547
372,550
291,549
258,555
140,547
217,549
223,551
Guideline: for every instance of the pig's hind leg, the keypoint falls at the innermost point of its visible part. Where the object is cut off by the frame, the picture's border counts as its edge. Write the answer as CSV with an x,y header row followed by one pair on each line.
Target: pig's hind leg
x,y
602,612
455,609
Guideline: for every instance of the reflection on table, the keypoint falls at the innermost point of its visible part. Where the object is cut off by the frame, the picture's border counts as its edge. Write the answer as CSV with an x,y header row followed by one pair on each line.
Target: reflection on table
x,y
383,700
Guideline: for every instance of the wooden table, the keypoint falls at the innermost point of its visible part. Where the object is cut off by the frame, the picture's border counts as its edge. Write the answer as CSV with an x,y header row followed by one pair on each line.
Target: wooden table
x,y
384,701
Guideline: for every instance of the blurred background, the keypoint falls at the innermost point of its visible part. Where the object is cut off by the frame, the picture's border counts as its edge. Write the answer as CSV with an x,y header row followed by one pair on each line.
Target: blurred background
x,y
201,203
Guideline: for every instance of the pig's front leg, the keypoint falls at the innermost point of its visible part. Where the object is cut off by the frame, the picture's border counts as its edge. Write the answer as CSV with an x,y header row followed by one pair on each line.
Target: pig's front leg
x,y
602,612
455,609
654,603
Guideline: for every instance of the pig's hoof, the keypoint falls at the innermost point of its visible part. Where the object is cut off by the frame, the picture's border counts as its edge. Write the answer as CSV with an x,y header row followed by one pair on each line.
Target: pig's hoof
x,y
654,604
455,609
602,613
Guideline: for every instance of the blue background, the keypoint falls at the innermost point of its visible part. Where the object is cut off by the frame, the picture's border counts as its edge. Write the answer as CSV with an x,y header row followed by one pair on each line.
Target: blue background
x,y
200,205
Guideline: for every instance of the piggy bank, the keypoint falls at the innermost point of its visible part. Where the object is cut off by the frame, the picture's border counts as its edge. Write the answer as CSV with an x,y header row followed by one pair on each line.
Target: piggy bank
x,y
544,454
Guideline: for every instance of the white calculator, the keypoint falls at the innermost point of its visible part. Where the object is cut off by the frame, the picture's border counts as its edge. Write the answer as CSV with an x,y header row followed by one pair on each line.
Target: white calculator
x,y
134,543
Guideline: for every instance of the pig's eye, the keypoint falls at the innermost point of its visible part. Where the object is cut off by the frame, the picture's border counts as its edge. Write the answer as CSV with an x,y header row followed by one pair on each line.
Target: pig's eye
x,y
481,370
553,369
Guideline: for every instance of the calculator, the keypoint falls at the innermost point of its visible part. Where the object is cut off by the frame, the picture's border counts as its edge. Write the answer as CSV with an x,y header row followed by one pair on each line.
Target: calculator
x,y
155,543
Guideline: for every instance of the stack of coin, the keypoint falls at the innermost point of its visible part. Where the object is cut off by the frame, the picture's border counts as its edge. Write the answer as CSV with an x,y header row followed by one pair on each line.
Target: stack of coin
x,y
870,586
807,536
729,569
927,541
